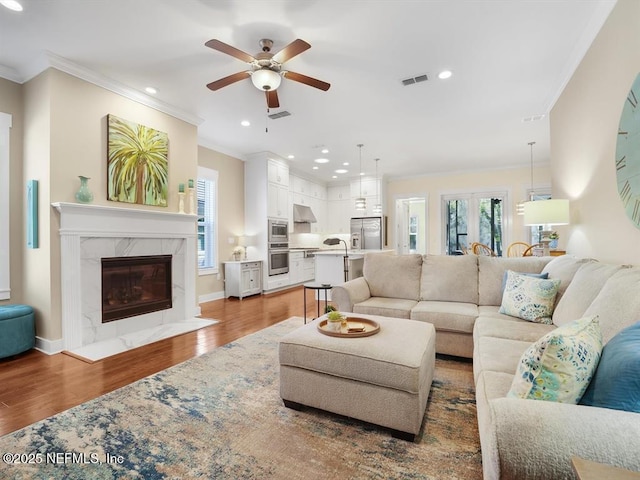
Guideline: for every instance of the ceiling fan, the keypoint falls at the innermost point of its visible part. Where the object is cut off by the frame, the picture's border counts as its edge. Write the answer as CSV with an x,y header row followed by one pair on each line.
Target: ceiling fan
x,y
266,68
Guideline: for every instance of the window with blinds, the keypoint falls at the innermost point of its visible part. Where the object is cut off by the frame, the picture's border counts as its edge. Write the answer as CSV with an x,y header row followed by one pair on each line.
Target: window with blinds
x,y
207,220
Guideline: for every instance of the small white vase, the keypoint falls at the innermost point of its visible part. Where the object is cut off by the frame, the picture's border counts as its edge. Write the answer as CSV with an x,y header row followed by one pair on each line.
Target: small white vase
x,y
334,326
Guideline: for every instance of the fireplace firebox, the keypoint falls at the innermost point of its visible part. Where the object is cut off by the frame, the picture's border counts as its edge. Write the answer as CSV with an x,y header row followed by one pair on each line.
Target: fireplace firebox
x,y
133,286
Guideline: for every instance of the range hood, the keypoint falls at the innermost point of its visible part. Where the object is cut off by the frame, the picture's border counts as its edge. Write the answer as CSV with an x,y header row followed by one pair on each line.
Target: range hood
x,y
303,214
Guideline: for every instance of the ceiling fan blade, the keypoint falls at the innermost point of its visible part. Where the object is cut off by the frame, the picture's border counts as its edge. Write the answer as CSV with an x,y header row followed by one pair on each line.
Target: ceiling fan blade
x,y
229,50
294,48
312,82
272,98
223,82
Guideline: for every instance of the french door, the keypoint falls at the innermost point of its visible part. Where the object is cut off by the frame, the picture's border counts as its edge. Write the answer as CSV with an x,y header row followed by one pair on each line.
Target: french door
x,y
473,217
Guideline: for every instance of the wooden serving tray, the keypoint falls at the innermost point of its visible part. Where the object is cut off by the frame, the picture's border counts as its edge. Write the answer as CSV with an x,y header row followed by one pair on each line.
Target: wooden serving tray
x,y
370,327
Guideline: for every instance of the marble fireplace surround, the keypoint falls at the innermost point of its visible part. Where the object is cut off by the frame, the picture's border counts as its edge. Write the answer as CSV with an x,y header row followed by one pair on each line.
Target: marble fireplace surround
x,y
91,232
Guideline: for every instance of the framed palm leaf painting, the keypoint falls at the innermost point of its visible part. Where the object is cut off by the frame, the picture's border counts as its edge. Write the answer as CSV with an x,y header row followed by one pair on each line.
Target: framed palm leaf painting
x,y
137,163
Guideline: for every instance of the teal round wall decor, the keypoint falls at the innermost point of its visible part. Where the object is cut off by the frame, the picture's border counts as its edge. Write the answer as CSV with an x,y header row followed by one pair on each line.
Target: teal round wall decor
x,y
628,154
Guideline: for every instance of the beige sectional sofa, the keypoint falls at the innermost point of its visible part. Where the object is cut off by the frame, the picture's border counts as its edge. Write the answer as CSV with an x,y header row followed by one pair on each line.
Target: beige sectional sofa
x,y
461,296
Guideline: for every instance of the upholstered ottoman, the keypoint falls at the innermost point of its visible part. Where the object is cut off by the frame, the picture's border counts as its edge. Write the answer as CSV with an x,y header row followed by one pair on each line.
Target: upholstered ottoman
x,y
17,329
383,379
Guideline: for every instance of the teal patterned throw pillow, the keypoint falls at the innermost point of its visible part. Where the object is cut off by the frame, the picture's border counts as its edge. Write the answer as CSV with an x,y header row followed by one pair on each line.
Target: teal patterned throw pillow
x,y
559,366
529,298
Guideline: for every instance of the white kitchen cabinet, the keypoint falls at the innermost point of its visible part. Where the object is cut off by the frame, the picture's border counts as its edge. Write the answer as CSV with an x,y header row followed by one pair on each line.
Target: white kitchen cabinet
x,y
338,192
308,269
296,260
242,279
338,216
264,199
278,201
277,172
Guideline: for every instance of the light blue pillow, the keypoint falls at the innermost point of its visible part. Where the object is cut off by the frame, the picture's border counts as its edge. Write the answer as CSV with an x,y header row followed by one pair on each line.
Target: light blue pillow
x,y
616,383
544,276
529,298
559,366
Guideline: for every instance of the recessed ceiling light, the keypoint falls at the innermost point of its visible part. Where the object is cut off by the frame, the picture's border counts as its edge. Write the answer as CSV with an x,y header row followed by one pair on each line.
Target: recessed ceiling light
x,y
361,173
443,75
291,157
346,164
151,90
334,176
315,167
321,160
245,123
325,150
11,5
341,170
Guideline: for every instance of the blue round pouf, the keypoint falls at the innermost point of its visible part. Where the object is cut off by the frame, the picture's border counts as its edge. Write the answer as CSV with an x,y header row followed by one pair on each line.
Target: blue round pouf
x,y
17,329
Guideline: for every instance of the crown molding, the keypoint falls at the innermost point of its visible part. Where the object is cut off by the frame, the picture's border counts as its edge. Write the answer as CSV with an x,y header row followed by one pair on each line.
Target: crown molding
x,y
51,60
206,143
10,74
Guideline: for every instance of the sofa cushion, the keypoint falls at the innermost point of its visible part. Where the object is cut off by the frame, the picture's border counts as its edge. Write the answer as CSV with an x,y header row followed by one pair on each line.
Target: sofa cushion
x,y
511,328
529,298
449,278
564,267
448,316
582,290
393,276
559,366
498,354
491,271
618,303
616,383
387,307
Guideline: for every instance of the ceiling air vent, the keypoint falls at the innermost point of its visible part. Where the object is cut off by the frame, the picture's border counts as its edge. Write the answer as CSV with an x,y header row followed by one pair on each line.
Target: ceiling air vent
x,y
417,79
275,116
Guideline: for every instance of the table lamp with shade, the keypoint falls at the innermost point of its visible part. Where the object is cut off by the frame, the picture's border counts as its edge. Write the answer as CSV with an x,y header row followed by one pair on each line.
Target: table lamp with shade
x,y
245,241
546,213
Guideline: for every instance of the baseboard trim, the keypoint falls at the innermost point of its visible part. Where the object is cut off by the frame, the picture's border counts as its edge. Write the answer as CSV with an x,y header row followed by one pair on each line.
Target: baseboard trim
x,y
50,347
210,297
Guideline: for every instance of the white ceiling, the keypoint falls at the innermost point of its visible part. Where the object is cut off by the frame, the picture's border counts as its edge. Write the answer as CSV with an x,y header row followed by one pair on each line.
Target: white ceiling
x,y
510,60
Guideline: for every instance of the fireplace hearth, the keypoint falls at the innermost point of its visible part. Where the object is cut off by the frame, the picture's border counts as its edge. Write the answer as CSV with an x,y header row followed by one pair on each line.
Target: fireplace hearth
x,y
135,285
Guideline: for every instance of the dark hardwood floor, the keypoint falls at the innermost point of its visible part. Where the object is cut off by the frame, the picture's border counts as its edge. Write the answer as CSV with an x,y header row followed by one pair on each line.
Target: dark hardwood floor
x,y
34,386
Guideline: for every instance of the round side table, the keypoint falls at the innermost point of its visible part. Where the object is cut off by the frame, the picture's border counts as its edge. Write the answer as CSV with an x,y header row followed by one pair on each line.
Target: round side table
x,y
316,287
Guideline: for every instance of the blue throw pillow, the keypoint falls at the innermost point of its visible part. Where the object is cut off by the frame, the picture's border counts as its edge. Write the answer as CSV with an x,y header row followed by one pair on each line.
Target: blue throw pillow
x,y
544,276
616,383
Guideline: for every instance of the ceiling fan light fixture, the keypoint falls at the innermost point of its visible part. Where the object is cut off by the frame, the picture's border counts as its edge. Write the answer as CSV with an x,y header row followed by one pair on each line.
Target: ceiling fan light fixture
x,y
266,80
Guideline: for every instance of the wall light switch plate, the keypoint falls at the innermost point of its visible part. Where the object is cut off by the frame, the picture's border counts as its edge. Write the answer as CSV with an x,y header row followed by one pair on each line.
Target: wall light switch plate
x,y
231,240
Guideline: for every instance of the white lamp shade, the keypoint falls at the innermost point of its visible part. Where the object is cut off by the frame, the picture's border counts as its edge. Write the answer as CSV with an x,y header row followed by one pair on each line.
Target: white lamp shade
x,y
245,240
547,212
265,79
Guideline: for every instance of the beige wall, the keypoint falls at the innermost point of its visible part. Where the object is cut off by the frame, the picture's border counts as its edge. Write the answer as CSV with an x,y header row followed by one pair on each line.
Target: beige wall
x,y
584,126
516,181
66,136
230,211
11,102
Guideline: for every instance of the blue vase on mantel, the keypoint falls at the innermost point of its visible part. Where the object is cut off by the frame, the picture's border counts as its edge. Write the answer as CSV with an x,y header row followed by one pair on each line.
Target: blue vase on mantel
x,y
553,244
84,195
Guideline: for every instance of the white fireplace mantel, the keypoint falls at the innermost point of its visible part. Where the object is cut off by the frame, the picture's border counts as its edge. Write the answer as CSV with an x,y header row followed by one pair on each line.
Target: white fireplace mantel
x,y
89,232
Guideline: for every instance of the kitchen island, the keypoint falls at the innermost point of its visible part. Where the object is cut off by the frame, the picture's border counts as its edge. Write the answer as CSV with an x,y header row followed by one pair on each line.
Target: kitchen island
x,y
330,265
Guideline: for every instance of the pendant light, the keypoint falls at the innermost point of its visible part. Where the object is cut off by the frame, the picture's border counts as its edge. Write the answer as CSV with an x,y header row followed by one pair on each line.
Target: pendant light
x,y
520,206
361,202
377,208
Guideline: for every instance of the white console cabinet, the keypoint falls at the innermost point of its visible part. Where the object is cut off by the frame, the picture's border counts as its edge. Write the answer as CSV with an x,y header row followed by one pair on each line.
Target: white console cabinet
x,y
242,278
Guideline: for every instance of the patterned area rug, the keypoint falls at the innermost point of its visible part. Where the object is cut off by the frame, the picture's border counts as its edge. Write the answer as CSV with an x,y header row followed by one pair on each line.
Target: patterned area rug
x,y
220,416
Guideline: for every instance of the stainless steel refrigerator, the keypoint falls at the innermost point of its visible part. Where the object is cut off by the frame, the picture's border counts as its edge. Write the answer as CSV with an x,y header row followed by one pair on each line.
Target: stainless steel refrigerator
x,y
367,233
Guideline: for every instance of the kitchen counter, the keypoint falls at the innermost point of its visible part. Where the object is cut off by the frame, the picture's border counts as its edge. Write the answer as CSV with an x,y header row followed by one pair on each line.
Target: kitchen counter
x,y
330,264
351,253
